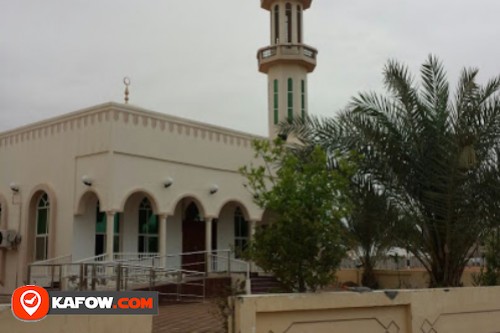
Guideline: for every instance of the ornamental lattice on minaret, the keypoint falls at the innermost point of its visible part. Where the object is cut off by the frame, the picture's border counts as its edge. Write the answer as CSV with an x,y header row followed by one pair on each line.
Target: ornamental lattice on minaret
x,y
287,61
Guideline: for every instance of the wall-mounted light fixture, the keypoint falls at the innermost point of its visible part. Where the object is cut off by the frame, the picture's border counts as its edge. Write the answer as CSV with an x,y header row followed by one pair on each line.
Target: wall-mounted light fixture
x,y
214,188
87,181
14,187
168,182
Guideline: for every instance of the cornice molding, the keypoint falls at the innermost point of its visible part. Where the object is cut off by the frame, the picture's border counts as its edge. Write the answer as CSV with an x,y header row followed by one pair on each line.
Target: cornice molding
x,y
126,114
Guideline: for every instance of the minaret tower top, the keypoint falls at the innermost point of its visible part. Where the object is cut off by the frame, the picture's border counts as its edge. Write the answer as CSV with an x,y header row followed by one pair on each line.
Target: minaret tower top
x,y
266,4
286,61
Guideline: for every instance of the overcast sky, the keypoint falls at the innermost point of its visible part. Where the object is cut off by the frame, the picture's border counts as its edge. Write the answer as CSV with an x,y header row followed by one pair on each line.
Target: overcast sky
x,y
197,58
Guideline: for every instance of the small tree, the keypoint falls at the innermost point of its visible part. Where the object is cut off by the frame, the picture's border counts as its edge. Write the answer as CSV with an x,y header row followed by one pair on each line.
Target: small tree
x,y
302,245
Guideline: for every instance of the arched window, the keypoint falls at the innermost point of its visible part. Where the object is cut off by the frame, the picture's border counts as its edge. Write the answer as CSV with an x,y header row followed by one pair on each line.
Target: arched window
x,y
276,39
42,228
290,99
240,232
100,232
288,22
276,102
148,228
299,24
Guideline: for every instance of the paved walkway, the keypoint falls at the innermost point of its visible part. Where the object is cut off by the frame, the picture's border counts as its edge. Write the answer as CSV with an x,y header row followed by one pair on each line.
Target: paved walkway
x,y
188,318
180,318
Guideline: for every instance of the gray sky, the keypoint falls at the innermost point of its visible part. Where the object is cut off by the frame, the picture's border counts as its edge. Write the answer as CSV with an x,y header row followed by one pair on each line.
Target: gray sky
x,y
197,58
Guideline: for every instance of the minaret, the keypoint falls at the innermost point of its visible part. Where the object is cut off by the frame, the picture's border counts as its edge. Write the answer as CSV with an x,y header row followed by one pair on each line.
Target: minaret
x,y
287,61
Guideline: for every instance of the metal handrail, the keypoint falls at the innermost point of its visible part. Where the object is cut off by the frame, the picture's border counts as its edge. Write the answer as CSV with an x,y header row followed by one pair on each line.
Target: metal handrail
x,y
278,49
86,276
98,258
121,274
51,260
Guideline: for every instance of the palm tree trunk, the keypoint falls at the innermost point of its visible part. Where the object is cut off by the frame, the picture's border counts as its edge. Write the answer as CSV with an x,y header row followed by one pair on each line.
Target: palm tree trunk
x,y
368,278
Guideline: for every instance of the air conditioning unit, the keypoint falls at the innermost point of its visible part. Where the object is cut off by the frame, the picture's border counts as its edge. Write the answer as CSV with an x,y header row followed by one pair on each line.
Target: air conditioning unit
x,y
9,238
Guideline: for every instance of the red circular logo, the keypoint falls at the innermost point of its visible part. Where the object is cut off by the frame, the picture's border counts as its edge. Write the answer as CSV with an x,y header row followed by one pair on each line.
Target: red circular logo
x,y
30,303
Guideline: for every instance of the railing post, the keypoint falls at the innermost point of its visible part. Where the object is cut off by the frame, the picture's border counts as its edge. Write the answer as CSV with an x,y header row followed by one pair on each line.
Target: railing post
x,y
92,284
179,282
80,284
228,263
29,274
204,288
52,276
152,278
85,276
61,277
125,282
118,277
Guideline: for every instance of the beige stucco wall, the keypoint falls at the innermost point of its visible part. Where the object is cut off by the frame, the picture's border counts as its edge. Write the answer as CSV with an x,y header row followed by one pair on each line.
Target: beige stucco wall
x,y
76,324
457,310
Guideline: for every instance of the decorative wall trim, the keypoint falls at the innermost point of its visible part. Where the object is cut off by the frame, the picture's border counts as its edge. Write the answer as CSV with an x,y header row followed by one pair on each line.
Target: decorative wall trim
x,y
125,114
429,326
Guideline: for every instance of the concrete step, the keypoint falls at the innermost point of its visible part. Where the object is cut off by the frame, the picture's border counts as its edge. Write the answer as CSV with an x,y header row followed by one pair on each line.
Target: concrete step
x,y
266,285
193,291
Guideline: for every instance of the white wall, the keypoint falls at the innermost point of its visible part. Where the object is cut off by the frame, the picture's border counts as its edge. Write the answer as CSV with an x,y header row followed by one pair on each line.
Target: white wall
x,y
84,231
225,228
129,231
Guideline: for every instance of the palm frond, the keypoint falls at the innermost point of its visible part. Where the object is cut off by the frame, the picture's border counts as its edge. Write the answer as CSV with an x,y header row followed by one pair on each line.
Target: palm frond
x,y
435,92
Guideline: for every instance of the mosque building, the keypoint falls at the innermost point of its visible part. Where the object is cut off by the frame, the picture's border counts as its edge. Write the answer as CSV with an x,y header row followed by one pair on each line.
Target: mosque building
x,y
116,181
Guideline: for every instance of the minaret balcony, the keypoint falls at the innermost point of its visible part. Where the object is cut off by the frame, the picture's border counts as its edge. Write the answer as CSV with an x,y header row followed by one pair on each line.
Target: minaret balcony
x,y
299,54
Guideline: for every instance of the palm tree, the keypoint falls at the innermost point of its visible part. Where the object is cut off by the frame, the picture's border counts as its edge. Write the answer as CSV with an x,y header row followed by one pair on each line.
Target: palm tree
x,y
369,227
437,156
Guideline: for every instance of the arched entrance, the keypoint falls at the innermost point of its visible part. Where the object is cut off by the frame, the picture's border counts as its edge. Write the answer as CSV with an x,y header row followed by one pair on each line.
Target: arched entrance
x,y
90,231
233,227
140,225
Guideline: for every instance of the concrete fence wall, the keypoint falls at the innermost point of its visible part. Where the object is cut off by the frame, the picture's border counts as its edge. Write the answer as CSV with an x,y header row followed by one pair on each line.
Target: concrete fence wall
x,y
76,324
404,278
458,310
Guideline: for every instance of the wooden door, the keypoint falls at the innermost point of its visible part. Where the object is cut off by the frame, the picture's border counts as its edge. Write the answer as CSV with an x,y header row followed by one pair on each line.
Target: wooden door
x,y
193,240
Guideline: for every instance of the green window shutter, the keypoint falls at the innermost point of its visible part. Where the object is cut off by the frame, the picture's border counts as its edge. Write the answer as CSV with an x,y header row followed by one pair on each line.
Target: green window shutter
x,y
303,97
276,104
117,223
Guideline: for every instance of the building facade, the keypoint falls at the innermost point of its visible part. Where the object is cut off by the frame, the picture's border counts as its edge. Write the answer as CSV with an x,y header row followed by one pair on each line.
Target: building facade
x,y
169,185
